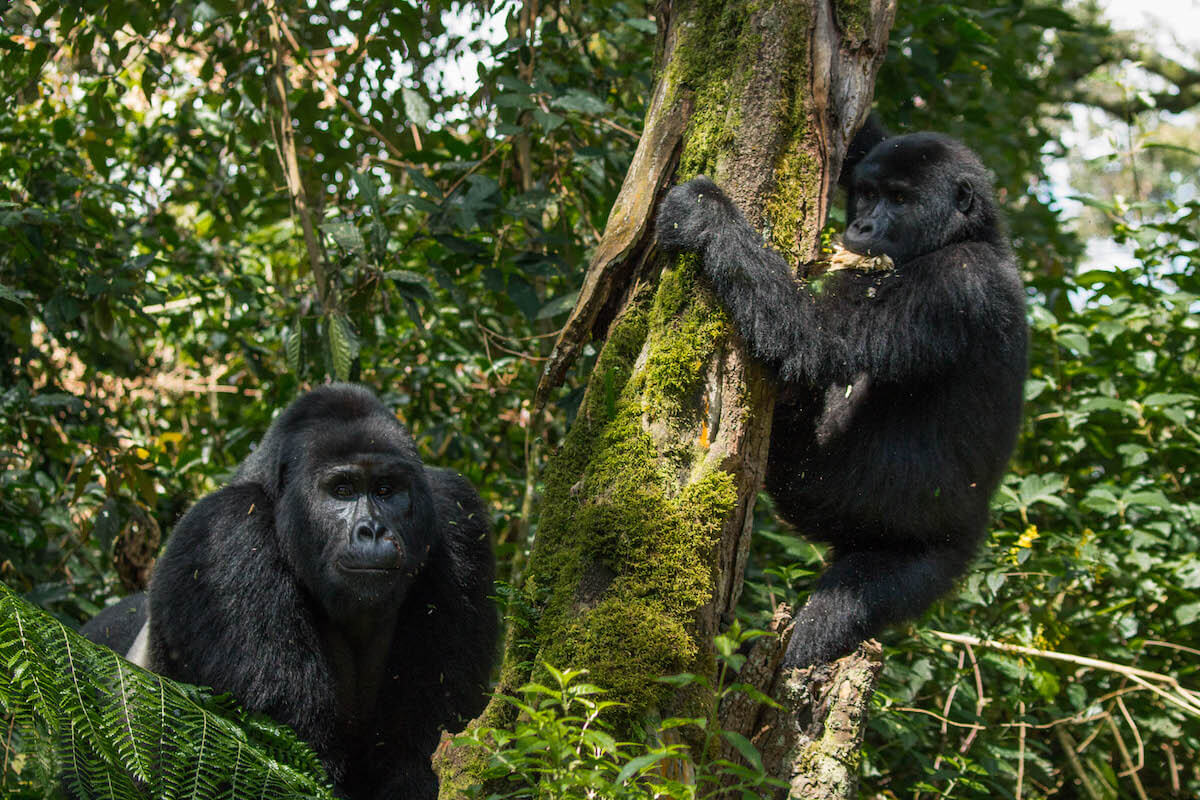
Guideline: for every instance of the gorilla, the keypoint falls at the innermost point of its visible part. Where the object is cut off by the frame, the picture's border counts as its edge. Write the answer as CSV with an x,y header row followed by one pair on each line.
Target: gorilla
x,y
900,390
336,584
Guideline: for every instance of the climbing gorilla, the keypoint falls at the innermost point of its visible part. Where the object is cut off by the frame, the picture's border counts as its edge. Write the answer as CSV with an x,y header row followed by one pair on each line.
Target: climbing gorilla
x,y
336,584
901,390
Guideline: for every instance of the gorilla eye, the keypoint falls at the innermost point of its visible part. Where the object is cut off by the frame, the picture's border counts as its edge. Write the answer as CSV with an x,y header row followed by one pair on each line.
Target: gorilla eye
x,y
383,491
898,198
343,491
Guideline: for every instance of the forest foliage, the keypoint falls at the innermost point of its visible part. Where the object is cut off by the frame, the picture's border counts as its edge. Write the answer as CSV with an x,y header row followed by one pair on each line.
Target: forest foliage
x,y
158,303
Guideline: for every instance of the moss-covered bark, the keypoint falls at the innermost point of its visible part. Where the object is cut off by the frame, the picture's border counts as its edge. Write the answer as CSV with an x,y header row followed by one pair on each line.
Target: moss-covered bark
x,y
639,552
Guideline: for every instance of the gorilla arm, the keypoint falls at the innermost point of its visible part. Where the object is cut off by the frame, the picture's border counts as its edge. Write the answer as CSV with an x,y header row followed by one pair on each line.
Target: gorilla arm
x,y
890,325
223,584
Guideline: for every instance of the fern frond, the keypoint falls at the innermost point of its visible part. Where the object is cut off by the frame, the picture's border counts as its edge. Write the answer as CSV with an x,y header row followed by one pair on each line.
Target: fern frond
x,y
79,716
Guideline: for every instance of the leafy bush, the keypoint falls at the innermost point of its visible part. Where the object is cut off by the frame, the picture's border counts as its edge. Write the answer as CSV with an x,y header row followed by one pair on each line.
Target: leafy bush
x,y
562,746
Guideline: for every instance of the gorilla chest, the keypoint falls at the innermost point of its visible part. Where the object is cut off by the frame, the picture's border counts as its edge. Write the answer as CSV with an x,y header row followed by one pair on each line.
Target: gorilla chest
x,y
357,661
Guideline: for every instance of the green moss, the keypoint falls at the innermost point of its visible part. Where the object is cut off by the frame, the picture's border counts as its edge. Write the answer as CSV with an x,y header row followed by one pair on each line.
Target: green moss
x,y
686,323
712,50
797,173
623,556
853,17
797,182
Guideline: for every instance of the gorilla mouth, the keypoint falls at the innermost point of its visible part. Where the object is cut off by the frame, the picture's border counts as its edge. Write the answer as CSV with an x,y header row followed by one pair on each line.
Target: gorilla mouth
x,y
357,566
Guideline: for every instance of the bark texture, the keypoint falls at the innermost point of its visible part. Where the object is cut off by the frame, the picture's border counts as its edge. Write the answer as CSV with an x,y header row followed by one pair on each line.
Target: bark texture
x,y
640,550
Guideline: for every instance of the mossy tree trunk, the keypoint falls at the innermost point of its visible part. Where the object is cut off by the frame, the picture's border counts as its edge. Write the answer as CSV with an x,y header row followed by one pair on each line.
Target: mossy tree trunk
x,y
645,520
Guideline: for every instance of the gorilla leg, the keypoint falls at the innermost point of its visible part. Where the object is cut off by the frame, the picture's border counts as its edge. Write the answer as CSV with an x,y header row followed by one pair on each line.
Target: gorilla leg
x,y
863,590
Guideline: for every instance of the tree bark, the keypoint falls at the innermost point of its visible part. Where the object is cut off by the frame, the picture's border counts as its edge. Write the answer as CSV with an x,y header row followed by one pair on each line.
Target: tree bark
x,y
639,554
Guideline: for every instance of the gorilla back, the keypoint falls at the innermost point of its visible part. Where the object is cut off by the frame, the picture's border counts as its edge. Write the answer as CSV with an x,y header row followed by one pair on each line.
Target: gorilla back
x,y
339,586
901,390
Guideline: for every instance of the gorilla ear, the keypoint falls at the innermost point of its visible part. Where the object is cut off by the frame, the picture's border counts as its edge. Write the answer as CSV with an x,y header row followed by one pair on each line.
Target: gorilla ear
x,y
964,196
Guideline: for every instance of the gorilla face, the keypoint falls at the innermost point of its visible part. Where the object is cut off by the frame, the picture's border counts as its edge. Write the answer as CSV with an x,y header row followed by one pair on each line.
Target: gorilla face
x,y
373,517
915,194
359,526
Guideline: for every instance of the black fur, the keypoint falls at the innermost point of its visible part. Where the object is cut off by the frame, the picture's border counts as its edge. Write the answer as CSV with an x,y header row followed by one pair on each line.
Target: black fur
x,y
901,390
116,626
252,595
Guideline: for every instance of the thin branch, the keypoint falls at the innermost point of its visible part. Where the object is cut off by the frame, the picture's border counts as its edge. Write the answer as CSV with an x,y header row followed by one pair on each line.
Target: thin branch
x,y
1186,699
1124,751
287,146
1021,754
973,726
1141,759
979,699
1068,747
499,146
631,134
1172,645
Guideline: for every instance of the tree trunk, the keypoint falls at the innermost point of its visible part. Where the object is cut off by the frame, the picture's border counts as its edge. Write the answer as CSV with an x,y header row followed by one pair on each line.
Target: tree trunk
x,y
638,557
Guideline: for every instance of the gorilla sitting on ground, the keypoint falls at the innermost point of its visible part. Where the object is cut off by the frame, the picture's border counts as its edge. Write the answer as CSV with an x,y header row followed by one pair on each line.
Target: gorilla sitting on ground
x,y
901,390
336,584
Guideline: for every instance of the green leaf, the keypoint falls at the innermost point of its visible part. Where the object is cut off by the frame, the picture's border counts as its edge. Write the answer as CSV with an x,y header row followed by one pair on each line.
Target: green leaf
x,y
637,765
422,182
346,235
292,350
1077,342
558,305
1152,498
415,107
744,746
9,295
343,345
682,679
1108,404
548,119
581,102
1187,613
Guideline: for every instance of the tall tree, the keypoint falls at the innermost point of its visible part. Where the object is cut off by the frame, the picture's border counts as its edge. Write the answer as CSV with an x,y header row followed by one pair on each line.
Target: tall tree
x,y
641,546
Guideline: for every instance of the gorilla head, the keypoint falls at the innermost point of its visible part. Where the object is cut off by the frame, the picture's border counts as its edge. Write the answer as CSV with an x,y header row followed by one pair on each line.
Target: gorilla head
x,y
346,477
918,193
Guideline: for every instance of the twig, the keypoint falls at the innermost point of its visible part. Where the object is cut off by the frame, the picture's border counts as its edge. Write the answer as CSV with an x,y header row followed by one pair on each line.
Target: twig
x,y
1124,751
620,128
287,145
12,721
1141,760
331,86
1074,719
937,762
1068,748
499,146
1021,754
962,657
971,725
1172,767
1186,704
1173,646
1186,699
979,700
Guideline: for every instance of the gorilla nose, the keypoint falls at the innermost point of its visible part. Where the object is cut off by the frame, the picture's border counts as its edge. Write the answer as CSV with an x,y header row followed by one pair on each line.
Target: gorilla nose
x,y
369,532
373,546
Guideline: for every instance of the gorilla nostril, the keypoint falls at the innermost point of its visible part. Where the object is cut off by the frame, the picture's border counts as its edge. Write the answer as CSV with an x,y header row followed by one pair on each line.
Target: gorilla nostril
x,y
367,531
